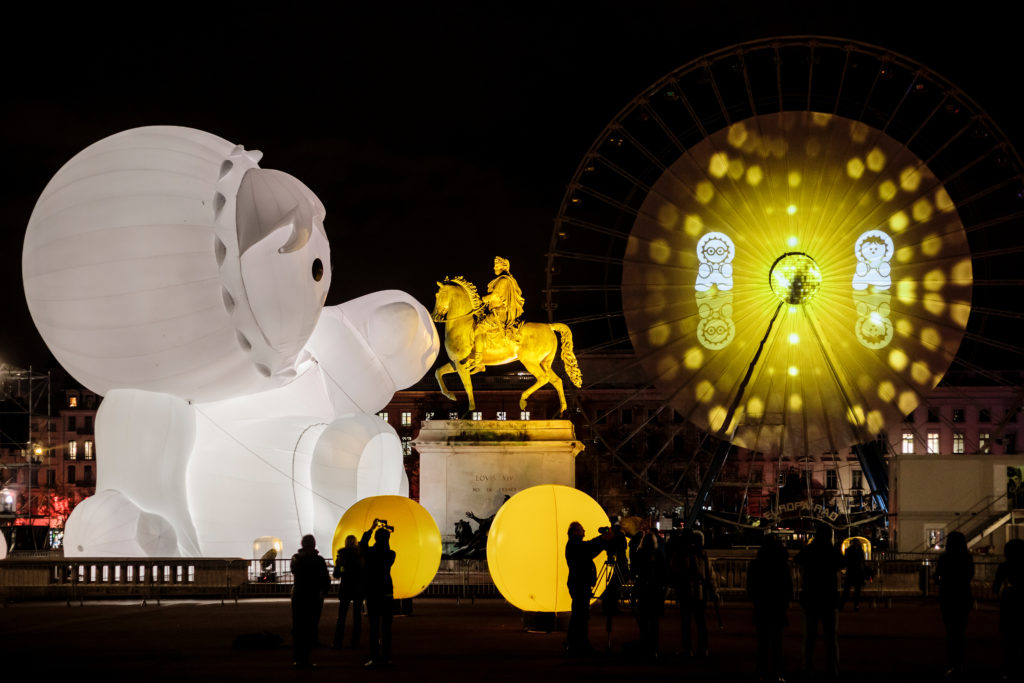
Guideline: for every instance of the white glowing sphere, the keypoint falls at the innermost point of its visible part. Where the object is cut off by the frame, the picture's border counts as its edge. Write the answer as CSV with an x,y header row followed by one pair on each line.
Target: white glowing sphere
x,y
163,258
526,545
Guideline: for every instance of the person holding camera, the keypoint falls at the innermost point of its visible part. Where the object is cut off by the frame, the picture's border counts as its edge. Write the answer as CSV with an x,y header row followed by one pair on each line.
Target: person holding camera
x,y
378,589
579,555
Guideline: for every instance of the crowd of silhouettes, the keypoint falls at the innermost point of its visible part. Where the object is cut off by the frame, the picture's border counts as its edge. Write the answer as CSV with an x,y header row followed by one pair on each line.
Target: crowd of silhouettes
x,y
363,571
644,565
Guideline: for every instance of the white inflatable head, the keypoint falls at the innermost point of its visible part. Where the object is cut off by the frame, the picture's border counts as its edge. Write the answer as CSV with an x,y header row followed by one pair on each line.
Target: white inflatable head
x,y
164,259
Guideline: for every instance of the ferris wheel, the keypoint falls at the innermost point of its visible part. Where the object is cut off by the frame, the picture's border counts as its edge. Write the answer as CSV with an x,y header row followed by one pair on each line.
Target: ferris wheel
x,y
797,238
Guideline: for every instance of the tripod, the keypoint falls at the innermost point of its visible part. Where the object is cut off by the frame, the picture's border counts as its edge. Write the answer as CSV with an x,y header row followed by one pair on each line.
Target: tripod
x,y
617,588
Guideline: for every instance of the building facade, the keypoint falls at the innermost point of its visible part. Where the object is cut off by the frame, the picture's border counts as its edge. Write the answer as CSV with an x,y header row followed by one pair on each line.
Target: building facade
x,y
47,458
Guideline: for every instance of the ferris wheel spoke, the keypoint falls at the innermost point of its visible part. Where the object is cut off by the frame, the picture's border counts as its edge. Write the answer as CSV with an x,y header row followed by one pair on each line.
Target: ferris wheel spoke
x,y
593,227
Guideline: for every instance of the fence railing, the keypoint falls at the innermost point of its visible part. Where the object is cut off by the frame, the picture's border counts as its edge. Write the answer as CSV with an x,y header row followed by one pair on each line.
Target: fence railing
x,y
146,578
76,580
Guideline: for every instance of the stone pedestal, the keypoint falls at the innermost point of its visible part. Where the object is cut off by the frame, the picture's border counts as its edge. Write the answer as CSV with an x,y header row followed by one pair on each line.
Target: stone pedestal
x,y
471,465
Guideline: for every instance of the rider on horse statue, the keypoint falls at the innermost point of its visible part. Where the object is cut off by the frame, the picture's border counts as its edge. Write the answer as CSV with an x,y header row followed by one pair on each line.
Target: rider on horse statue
x,y
503,306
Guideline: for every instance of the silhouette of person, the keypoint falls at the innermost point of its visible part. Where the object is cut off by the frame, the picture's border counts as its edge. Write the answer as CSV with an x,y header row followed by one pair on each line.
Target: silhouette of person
x,y
579,556
954,573
1009,586
770,588
856,574
620,569
349,568
694,586
311,584
820,562
649,571
378,590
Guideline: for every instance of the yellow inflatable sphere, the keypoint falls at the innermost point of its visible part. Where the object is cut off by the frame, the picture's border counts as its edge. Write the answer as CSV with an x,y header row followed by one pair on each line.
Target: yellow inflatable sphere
x,y
526,545
416,539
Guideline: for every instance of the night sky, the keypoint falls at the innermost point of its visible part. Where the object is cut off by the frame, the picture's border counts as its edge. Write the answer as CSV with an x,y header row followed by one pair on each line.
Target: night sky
x,y
436,138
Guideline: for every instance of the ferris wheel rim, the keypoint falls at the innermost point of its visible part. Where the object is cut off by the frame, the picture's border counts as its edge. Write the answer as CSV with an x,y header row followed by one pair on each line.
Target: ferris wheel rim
x,y
974,112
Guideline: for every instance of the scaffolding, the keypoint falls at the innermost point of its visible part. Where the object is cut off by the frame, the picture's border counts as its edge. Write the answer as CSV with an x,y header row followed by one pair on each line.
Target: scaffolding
x,y
25,448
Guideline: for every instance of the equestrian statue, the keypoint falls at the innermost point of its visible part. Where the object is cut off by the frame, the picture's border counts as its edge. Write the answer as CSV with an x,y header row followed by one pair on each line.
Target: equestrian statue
x,y
482,331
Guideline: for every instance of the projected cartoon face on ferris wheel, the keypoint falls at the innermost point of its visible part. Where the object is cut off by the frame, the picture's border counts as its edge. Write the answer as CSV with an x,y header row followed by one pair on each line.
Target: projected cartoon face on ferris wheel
x,y
812,252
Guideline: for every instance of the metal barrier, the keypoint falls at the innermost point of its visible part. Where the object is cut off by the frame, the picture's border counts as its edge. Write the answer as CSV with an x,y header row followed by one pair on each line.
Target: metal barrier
x,y
76,580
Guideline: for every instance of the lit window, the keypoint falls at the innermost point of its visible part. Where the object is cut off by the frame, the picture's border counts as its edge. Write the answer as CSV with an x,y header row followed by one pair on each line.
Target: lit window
x,y
406,445
856,480
477,415
72,450
72,401
453,416
524,415
908,442
984,442
406,419
383,415
958,442
502,415
933,442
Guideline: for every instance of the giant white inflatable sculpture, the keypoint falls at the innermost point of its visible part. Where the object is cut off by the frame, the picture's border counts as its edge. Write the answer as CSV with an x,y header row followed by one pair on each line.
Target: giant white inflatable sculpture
x,y
170,273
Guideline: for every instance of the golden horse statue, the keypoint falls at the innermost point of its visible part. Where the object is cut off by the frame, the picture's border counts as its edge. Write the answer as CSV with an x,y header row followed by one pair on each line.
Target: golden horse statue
x,y
458,306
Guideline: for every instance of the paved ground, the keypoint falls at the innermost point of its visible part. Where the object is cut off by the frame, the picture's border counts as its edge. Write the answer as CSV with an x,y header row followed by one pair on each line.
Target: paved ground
x,y
444,639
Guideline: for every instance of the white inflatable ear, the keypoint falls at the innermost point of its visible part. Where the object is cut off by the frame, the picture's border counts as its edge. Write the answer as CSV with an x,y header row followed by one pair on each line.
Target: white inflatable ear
x,y
371,347
357,456
110,525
